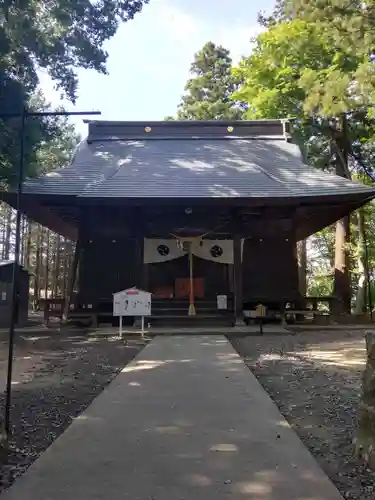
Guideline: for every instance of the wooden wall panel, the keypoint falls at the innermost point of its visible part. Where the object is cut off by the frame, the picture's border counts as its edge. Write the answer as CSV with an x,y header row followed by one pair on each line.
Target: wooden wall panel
x,y
270,269
107,266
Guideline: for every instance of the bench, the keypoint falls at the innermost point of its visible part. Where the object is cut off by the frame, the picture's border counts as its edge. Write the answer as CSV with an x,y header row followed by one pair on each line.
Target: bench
x,y
302,312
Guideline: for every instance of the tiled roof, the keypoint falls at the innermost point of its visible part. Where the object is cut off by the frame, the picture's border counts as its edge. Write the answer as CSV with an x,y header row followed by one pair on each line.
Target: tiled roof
x,y
176,167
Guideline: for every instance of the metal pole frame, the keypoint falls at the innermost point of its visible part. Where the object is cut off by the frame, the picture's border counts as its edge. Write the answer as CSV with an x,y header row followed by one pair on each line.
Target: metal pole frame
x,y
191,311
24,114
14,309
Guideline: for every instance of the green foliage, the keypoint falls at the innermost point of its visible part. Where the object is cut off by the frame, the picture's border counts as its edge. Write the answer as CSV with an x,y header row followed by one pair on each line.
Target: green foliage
x,y
272,74
208,91
59,35
347,29
48,143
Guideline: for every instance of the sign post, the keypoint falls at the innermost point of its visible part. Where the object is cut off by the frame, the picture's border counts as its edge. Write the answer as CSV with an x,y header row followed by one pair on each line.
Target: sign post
x,y
132,302
120,327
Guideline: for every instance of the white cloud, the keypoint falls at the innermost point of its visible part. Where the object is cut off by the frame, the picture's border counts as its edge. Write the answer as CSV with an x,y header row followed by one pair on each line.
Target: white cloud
x,y
192,32
177,25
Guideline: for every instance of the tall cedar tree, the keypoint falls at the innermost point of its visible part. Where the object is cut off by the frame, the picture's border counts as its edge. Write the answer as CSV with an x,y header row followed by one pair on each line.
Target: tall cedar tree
x,y
208,91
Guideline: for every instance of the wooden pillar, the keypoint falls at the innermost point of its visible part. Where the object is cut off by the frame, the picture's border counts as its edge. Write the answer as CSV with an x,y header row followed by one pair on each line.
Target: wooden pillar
x,y
140,274
71,281
139,268
139,236
302,265
145,285
238,292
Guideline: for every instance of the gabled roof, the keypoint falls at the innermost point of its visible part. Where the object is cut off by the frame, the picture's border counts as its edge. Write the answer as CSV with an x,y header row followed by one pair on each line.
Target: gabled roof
x,y
249,159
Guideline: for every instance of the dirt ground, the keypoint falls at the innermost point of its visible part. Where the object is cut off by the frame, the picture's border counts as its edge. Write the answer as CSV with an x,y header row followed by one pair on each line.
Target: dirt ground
x,y
315,379
56,376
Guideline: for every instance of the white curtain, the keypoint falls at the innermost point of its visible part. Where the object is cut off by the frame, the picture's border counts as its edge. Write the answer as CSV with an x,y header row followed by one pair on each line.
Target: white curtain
x,y
161,250
216,250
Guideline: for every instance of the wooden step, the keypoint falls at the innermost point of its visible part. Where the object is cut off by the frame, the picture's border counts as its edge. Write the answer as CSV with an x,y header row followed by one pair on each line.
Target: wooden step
x,y
190,321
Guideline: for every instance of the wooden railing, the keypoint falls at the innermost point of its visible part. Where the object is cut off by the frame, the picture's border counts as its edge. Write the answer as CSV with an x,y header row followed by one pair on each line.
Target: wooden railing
x,y
292,309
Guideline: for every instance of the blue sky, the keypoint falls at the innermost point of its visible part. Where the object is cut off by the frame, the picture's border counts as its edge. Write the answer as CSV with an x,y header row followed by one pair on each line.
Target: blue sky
x,y
149,58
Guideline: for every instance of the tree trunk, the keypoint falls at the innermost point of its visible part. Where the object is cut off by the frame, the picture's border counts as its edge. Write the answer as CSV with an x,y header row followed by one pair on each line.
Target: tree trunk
x,y
342,286
38,265
56,266
64,275
8,234
28,246
4,213
302,265
47,267
362,265
23,240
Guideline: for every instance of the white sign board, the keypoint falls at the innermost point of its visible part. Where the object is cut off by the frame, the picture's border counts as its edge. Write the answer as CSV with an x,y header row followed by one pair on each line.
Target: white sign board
x,y
132,302
222,302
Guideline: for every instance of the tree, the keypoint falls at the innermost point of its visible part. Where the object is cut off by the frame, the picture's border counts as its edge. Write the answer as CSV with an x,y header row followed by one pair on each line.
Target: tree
x,y
60,36
49,143
296,71
347,28
208,91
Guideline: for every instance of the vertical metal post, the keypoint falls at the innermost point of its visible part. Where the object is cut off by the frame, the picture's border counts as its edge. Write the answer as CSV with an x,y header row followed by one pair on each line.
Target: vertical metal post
x,y
238,292
191,311
15,280
120,327
16,275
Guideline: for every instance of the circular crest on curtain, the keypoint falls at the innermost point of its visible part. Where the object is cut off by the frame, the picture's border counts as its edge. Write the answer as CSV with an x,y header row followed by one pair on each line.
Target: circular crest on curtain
x,y
216,251
163,250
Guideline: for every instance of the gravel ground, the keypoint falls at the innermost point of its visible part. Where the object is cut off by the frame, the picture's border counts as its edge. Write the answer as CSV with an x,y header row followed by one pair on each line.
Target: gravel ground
x,y
56,377
315,379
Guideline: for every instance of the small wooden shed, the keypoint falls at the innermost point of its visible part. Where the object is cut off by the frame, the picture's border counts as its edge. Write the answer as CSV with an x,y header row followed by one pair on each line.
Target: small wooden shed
x,y
6,277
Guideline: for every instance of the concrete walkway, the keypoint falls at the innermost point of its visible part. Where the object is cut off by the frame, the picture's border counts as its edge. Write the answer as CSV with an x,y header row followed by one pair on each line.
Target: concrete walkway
x,y
185,421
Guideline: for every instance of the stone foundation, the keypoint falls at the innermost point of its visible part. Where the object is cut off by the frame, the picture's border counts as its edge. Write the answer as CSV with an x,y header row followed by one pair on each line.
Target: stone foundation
x,y
365,438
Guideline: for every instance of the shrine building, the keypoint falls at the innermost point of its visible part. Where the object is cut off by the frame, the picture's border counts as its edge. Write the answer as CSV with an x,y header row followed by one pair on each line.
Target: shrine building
x,y
188,211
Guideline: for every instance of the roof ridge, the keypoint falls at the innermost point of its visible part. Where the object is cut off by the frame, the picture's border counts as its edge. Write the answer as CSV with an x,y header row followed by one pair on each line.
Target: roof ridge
x,y
187,129
114,138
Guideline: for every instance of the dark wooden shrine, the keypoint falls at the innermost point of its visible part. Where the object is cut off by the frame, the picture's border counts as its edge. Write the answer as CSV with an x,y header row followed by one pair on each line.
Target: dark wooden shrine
x,y
239,181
